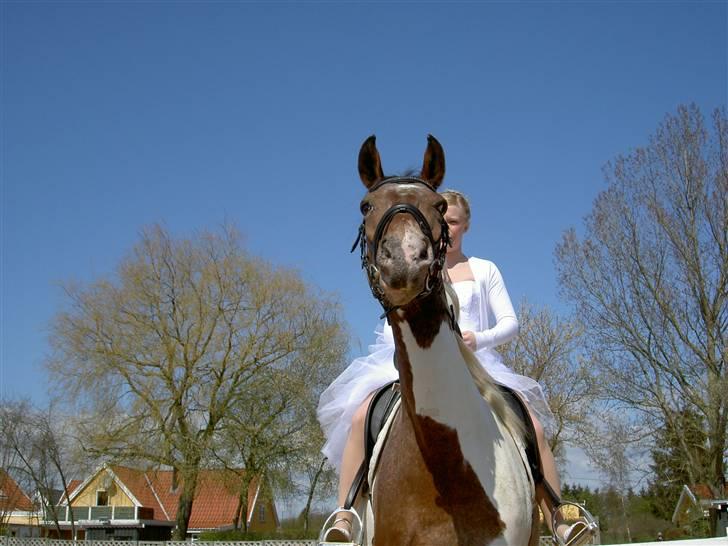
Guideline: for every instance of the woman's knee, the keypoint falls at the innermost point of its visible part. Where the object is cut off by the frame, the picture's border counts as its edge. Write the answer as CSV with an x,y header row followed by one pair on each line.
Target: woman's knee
x,y
360,415
538,429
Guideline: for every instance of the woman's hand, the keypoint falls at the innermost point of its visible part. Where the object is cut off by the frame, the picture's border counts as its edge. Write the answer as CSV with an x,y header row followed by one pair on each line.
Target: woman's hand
x,y
469,339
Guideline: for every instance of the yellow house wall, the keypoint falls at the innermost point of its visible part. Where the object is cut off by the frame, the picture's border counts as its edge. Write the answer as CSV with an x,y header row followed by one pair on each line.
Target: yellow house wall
x,y
22,519
87,497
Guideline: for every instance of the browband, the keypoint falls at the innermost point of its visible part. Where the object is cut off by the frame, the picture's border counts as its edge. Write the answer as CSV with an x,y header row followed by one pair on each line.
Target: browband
x,y
401,180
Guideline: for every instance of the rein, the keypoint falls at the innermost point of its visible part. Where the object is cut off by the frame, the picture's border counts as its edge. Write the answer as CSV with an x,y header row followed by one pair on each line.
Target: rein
x,y
439,247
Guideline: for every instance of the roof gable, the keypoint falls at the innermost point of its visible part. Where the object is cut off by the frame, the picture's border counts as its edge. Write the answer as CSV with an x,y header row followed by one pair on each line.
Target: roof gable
x,y
72,486
137,485
216,497
693,500
703,492
104,478
11,496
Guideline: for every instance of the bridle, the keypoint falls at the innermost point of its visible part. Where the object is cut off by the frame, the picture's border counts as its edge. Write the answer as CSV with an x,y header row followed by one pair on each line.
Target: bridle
x,y
439,246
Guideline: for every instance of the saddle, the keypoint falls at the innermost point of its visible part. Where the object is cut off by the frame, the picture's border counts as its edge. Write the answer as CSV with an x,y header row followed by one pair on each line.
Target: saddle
x,y
380,408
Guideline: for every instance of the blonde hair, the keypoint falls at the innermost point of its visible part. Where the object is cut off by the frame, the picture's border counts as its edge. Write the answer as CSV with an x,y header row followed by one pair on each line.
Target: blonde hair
x,y
458,199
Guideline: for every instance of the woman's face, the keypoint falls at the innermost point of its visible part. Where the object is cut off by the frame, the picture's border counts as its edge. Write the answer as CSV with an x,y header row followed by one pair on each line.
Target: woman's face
x,y
458,224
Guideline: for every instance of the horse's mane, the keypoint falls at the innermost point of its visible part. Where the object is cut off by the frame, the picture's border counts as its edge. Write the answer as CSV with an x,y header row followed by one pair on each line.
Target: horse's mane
x,y
486,386
483,380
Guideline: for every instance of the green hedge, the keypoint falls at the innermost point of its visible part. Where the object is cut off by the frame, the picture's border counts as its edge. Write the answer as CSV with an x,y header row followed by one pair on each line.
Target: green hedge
x,y
237,535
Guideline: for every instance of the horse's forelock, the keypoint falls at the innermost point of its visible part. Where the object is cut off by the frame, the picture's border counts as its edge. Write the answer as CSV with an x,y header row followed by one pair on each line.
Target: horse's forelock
x,y
408,173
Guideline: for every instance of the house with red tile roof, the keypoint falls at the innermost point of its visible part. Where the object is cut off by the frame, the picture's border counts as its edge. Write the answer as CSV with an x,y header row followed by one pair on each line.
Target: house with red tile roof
x,y
698,501
18,516
122,503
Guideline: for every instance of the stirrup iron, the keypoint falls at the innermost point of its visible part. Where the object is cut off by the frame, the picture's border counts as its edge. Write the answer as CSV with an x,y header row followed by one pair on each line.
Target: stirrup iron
x,y
354,523
583,524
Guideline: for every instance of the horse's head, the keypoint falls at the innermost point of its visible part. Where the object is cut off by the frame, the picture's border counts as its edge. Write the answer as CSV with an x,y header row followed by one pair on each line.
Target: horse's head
x,y
403,235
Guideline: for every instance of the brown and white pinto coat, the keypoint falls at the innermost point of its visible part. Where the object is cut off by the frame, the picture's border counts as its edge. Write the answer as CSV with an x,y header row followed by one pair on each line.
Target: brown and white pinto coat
x,y
452,472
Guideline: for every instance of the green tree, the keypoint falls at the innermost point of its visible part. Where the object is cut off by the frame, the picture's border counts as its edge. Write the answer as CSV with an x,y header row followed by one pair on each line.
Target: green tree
x,y
649,279
189,336
618,512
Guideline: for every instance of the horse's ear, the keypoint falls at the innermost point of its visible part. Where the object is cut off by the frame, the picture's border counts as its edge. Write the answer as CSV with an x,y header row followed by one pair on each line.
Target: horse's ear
x,y
370,166
433,167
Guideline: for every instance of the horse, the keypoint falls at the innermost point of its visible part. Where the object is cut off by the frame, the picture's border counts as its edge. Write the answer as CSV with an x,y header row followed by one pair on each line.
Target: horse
x,y
453,470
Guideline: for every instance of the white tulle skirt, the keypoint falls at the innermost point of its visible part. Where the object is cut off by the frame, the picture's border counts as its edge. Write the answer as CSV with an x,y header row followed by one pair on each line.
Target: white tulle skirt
x,y
365,374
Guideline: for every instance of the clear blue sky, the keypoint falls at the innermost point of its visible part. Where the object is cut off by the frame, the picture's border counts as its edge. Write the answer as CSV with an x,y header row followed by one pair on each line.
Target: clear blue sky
x,y
116,115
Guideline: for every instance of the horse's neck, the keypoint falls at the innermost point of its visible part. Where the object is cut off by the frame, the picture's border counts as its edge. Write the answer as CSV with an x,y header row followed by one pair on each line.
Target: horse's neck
x,y
442,402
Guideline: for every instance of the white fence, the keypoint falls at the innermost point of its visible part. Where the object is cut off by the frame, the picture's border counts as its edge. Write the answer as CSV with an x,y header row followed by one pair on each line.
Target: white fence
x,y
16,541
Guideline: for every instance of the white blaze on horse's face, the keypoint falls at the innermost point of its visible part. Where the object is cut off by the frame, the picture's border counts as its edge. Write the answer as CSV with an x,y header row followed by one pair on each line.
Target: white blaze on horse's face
x,y
404,253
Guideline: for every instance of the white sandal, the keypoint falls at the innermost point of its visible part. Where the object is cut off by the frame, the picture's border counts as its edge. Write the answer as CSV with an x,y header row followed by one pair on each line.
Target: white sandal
x,y
580,531
338,534
577,533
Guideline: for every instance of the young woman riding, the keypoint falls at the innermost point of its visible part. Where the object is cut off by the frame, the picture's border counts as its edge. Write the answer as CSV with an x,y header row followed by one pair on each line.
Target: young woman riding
x,y
486,320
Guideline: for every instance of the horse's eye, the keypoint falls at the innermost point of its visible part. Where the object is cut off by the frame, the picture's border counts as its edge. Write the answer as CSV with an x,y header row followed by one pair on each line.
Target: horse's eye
x,y
366,208
441,207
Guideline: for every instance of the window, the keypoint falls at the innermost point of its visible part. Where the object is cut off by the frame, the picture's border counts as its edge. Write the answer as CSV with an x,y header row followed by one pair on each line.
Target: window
x,y
261,514
102,498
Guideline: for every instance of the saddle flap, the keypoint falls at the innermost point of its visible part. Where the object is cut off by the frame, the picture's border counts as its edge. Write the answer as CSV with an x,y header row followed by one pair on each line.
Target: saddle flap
x,y
379,409
519,408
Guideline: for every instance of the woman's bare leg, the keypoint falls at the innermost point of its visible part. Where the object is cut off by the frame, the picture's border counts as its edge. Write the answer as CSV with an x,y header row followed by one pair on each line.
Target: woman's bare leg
x,y
351,461
353,450
549,470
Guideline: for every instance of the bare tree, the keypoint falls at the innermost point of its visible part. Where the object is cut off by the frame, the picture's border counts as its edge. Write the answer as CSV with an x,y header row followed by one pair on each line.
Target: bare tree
x,y
310,475
275,433
168,352
9,495
549,350
649,278
41,454
321,481
613,451
260,438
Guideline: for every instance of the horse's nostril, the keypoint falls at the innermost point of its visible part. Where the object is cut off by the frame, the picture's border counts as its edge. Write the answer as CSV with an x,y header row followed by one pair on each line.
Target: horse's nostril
x,y
423,254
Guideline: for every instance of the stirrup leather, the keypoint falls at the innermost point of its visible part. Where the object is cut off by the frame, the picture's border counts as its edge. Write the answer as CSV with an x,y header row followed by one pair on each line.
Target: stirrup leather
x,y
582,527
355,528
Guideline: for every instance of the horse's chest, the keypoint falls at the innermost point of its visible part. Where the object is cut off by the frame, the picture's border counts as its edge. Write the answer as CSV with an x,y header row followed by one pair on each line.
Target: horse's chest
x,y
438,497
